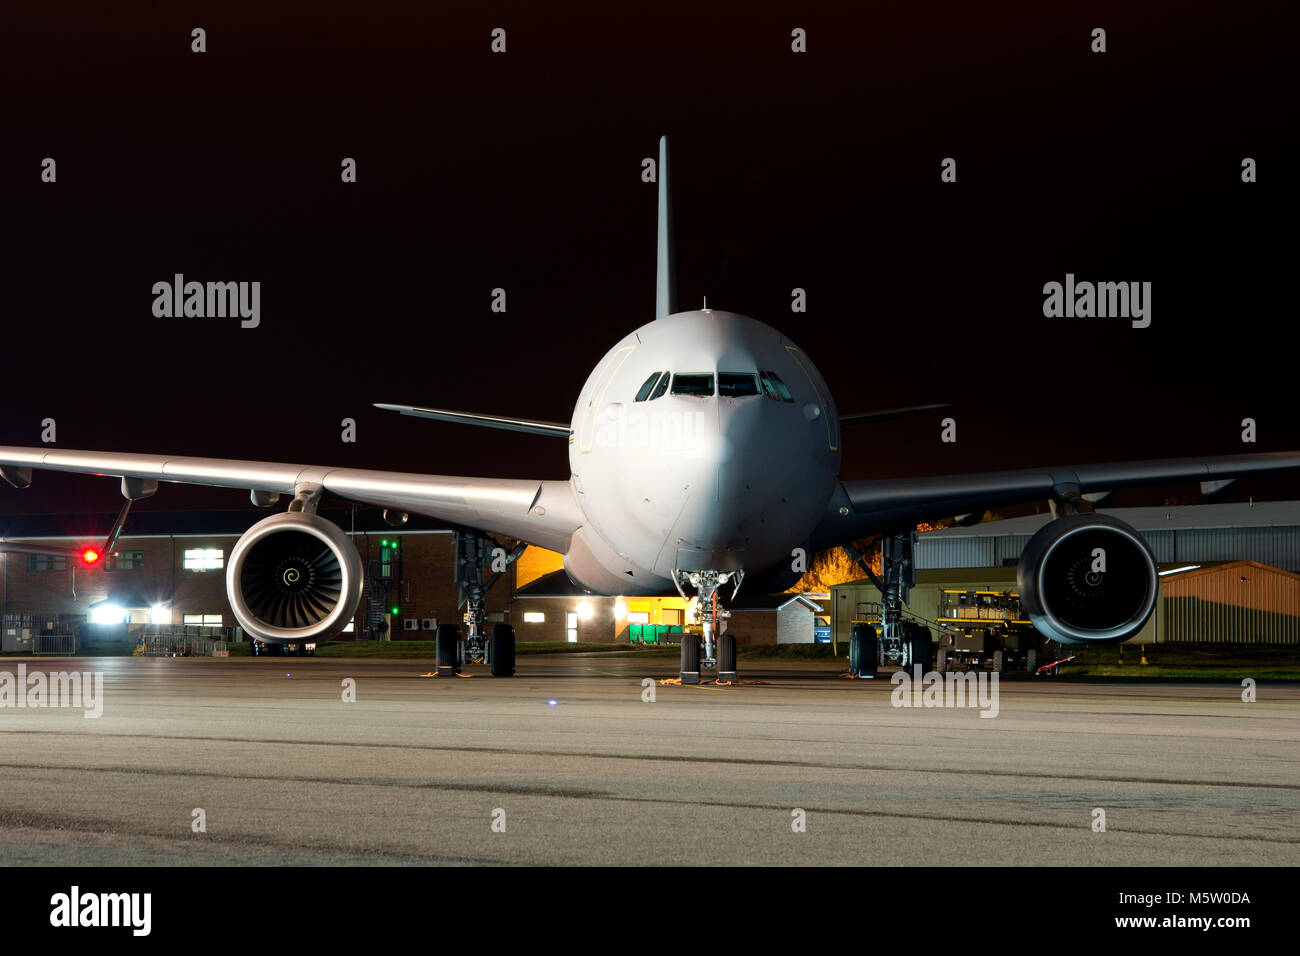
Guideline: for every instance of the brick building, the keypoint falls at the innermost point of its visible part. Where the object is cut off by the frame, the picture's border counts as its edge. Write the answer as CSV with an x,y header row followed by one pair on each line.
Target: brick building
x,y
169,568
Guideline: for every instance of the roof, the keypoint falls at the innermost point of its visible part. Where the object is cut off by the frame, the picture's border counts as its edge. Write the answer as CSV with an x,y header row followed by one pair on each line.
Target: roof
x,y
1207,568
162,524
1239,514
554,584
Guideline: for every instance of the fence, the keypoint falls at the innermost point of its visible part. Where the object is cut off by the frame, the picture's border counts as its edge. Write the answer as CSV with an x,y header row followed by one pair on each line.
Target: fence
x,y
165,641
60,644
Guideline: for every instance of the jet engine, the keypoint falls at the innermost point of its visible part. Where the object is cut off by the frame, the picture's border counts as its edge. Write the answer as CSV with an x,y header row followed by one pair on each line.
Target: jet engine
x,y
292,577
1088,579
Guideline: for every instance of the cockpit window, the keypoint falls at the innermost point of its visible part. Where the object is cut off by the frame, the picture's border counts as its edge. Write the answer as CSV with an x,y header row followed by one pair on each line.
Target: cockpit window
x,y
737,384
692,384
774,387
662,386
644,392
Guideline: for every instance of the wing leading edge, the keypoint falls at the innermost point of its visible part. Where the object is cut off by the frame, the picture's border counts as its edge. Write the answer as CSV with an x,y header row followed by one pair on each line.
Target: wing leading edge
x,y
543,513
528,426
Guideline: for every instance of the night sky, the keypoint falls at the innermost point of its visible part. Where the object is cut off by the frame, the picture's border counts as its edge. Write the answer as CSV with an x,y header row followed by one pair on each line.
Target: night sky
x,y
523,170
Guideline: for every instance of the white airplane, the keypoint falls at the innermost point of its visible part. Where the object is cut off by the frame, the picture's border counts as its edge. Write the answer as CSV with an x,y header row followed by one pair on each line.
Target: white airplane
x,y
704,450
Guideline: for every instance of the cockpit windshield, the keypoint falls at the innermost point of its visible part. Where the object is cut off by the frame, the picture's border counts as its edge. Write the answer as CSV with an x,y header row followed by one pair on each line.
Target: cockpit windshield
x,y
774,387
644,391
737,384
694,384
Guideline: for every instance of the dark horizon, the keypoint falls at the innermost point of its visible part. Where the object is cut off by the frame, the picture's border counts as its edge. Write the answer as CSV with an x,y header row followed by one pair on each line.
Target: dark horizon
x,y
522,171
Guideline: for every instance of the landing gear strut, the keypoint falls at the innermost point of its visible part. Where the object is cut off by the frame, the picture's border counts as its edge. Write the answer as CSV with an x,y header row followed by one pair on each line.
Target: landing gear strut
x,y
901,644
900,575
710,647
471,551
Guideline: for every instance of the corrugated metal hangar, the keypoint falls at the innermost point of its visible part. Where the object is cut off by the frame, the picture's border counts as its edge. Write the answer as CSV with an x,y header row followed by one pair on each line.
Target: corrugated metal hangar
x,y
1228,573
1266,532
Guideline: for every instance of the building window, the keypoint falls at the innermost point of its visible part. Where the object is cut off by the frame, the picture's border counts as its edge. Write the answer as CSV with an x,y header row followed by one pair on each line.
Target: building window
x,y
534,617
387,558
125,561
204,559
571,627
202,620
46,562
638,617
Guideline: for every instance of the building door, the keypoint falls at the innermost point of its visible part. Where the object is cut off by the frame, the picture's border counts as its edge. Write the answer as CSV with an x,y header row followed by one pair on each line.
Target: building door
x,y
571,627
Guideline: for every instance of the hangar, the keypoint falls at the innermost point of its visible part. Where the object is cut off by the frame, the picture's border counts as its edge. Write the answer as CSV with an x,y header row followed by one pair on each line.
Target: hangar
x,y
1228,573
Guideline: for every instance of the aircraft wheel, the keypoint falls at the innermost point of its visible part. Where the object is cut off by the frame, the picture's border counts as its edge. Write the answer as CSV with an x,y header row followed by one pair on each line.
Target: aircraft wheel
x,y
922,651
726,658
856,640
690,668
448,638
868,650
503,651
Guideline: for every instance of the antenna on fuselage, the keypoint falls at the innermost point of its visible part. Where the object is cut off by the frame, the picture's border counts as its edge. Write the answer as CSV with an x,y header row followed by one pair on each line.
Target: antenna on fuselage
x,y
666,271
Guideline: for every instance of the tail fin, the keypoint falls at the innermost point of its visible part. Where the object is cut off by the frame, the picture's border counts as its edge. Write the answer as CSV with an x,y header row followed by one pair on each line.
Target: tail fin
x,y
666,273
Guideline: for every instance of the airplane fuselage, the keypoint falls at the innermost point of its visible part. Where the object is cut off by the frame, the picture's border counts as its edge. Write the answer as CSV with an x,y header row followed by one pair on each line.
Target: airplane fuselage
x,y
727,464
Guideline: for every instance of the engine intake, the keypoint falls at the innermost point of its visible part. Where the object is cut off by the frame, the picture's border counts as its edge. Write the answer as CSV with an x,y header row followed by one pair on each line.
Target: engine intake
x,y
292,577
1088,579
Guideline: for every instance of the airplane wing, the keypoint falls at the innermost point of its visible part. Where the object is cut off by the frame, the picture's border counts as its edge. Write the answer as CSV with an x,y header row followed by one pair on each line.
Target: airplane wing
x,y
543,513
528,426
861,508
889,414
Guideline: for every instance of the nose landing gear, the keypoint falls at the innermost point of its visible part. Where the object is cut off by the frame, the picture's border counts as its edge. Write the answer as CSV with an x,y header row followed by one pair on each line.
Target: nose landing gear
x,y
711,647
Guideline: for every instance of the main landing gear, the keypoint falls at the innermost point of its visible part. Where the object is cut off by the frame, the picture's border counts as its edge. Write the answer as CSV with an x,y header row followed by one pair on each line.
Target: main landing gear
x,y
899,643
476,646
710,648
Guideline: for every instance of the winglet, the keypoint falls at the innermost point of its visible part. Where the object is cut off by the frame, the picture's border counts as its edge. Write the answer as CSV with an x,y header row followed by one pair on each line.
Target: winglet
x,y
666,273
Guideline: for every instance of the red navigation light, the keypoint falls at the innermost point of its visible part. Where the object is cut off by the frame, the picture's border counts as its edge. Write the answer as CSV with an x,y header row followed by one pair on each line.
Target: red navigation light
x,y
90,556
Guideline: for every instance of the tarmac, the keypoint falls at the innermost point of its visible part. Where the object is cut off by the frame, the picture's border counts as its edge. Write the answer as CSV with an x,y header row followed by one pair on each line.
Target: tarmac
x,y
262,761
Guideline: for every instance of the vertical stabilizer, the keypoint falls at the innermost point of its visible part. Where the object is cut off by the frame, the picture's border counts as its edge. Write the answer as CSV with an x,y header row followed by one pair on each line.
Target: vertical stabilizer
x,y
666,273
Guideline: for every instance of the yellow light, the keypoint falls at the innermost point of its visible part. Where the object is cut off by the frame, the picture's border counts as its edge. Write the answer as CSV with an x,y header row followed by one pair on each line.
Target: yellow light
x,y
585,611
620,609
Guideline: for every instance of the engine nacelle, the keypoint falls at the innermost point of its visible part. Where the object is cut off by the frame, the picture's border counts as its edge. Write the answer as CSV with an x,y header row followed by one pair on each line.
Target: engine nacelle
x,y
1088,579
294,577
